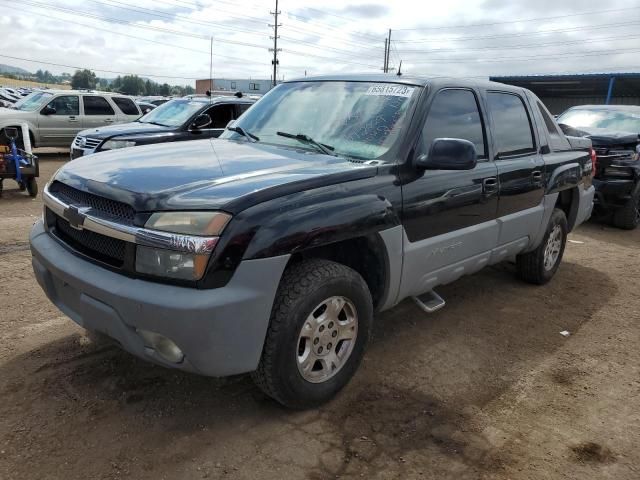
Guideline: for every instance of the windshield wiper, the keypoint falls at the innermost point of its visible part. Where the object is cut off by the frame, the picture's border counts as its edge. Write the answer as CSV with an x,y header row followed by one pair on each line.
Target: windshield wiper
x,y
250,136
156,123
301,137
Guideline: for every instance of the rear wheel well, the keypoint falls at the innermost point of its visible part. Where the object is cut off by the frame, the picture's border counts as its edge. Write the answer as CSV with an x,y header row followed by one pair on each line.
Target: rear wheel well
x,y
5,141
366,255
568,201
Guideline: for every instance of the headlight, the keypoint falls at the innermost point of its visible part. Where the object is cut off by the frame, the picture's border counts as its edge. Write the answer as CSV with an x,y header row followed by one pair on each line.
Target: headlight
x,y
169,263
189,223
186,258
113,144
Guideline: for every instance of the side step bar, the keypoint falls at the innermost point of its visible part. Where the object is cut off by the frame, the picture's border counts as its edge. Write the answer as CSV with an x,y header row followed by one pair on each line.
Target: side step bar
x,y
429,302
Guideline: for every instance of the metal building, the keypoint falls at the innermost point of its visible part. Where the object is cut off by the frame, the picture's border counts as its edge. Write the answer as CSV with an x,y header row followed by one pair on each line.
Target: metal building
x,y
559,92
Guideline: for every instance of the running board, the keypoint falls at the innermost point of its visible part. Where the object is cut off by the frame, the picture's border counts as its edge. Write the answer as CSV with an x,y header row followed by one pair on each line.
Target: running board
x,y
429,302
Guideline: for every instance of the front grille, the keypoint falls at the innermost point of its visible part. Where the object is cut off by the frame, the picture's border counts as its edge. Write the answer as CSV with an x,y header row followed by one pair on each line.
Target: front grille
x,y
89,142
100,247
112,208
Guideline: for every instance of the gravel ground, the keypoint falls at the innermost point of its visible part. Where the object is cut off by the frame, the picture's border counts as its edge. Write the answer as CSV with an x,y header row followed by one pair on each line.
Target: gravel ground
x,y
485,388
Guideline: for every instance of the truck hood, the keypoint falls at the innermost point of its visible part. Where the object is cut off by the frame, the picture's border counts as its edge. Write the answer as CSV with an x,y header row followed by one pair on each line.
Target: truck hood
x,y
13,113
605,137
125,129
204,174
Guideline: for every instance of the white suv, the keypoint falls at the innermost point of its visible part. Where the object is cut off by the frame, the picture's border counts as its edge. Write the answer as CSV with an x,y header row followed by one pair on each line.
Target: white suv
x,y
56,116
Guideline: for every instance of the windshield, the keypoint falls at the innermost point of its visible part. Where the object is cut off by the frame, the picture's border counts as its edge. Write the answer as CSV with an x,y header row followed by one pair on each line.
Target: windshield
x,y
33,101
356,119
600,118
173,113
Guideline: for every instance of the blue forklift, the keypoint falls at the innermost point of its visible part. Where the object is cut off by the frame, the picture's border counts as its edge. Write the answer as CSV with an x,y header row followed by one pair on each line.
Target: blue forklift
x,y
18,164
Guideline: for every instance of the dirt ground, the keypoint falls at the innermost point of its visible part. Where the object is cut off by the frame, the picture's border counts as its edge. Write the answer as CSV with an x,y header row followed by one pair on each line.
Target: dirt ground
x,y
486,388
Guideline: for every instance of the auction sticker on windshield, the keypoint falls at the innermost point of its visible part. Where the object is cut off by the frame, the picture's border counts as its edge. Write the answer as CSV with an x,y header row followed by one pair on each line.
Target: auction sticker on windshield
x,y
391,90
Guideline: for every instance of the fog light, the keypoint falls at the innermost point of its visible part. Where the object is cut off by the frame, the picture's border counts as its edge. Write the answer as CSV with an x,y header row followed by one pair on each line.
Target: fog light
x,y
162,345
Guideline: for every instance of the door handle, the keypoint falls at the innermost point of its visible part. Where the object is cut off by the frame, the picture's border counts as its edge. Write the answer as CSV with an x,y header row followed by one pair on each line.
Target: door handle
x,y
490,185
108,120
537,178
73,119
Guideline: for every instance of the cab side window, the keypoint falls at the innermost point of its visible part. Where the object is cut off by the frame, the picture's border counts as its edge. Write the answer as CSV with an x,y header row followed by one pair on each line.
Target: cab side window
x,y
511,124
454,113
221,115
66,105
94,105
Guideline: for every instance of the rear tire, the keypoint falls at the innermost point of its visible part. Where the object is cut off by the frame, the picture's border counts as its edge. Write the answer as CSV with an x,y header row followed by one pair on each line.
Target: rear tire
x,y
32,187
320,324
540,265
628,217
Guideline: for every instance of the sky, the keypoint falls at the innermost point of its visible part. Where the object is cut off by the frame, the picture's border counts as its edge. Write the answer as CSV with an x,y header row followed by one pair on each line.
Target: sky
x,y
170,40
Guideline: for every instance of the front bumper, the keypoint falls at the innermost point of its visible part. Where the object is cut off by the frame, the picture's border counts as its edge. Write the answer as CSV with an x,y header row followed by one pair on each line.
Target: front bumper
x,y
611,193
220,331
80,152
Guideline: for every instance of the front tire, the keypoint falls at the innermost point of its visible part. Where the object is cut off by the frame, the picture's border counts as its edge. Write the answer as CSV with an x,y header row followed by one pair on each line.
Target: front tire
x,y
628,216
320,324
540,265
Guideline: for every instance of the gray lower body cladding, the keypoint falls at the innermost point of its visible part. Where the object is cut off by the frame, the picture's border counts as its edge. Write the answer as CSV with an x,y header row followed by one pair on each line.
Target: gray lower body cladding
x,y
220,331
445,258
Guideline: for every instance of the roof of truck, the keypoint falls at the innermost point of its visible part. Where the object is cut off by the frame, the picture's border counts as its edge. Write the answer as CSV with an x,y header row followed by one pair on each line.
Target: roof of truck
x,y
407,80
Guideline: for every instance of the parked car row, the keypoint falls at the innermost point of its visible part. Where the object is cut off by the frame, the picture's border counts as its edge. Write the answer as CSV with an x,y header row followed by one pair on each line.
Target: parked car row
x,y
269,249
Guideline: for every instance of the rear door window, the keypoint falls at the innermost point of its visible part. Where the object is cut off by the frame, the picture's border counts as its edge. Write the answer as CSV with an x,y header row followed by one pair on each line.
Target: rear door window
x,y
126,105
556,137
95,105
454,113
511,124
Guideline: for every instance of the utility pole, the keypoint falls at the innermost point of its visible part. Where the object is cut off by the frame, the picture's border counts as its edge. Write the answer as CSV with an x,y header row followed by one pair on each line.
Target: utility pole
x,y
211,71
388,55
275,48
384,62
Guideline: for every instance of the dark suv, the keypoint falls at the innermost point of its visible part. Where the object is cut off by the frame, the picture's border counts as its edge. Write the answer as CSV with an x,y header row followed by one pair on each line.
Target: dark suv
x,y
614,131
173,121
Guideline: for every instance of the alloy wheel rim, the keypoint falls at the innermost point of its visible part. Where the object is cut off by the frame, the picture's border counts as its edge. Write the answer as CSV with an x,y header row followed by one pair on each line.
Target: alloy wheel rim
x,y
553,247
327,339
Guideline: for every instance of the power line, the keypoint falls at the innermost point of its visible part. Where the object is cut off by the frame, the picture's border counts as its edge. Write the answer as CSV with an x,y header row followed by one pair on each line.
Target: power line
x,y
171,31
521,34
146,11
234,59
448,27
528,45
520,58
97,69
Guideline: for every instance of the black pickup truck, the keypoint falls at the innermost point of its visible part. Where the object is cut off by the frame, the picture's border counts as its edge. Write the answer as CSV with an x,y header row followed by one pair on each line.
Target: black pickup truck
x,y
614,131
269,249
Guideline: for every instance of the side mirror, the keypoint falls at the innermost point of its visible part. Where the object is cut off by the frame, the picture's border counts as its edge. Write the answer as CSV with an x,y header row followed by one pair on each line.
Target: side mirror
x,y
201,121
449,154
231,123
48,110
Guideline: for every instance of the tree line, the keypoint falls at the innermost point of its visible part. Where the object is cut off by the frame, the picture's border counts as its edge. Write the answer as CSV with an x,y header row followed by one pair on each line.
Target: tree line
x,y
127,84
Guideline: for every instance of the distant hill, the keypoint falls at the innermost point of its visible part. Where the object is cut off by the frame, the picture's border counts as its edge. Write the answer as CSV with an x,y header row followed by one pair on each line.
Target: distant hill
x,y
14,70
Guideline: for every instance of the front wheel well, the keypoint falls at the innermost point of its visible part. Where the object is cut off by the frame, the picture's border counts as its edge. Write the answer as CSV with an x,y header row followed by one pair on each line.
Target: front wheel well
x,y
366,255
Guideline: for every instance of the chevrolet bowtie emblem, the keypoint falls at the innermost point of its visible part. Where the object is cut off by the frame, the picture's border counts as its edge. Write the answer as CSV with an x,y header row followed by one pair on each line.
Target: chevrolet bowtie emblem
x,y
75,216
